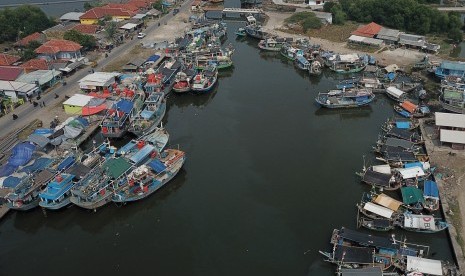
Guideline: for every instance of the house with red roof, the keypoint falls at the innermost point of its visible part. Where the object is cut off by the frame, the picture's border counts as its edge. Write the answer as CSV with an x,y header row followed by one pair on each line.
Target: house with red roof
x,y
59,49
35,64
39,37
6,59
86,29
10,73
369,30
93,15
123,6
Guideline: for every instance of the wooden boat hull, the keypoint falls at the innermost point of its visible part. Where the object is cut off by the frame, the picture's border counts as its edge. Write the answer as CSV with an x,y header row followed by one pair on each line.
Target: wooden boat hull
x,y
65,202
348,105
255,34
118,134
24,207
154,123
182,88
355,70
92,205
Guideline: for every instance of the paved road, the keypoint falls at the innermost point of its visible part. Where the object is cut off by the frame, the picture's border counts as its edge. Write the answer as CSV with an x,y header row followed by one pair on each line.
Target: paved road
x,y
27,113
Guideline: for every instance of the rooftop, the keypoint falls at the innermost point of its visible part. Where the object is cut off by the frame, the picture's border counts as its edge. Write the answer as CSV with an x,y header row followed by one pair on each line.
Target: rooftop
x,y
86,29
39,37
71,16
100,12
35,64
10,73
58,45
450,119
388,34
6,59
369,30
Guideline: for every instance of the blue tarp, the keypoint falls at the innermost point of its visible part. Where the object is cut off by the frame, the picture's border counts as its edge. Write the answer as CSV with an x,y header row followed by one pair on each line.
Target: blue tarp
x,y
11,182
126,148
142,154
7,169
44,131
431,189
83,121
391,76
424,109
157,165
21,154
404,113
413,164
403,125
303,60
146,114
66,163
39,164
124,105
153,58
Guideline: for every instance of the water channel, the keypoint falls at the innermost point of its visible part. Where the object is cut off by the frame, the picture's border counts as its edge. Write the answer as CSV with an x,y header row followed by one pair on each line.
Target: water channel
x,y
269,175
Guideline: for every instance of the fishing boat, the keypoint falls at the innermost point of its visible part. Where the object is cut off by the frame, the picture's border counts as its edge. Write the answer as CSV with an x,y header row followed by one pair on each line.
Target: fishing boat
x,y
151,176
376,211
117,118
345,98
241,32
253,29
431,196
96,189
272,44
348,83
205,80
413,198
421,223
408,109
452,98
58,191
290,52
151,116
25,196
221,62
396,94
418,266
405,124
346,64
379,176
405,134
302,63
315,68
379,224
183,81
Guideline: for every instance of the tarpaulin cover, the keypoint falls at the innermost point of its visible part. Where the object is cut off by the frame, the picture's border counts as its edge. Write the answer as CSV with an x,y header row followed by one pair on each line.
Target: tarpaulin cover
x,y
157,165
391,76
153,58
419,221
96,102
413,164
411,195
38,139
142,154
21,154
403,125
431,189
43,131
39,164
57,140
352,254
388,202
72,132
91,110
124,105
409,106
66,163
11,182
7,169
83,121
367,239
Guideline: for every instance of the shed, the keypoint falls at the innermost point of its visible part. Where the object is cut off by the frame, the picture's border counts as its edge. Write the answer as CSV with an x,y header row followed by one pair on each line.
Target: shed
x,y
369,30
13,89
450,120
390,36
98,80
139,16
128,26
427,266
134,64
452,136
43,77
71,16
365,40
75,104
412,40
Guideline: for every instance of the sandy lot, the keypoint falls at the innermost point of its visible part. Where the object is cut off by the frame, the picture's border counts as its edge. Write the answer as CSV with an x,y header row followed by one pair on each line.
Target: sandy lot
x,y
176,28
401,57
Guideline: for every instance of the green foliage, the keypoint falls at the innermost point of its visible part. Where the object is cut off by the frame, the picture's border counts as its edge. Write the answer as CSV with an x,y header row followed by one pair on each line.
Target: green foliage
x,y
28,51
22,21
110,29
33,45
87,41
307,20
456,35
158,5
408,15
90,5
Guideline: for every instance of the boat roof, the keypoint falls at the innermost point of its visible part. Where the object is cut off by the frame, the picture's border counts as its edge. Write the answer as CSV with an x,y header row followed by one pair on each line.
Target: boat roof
x,y
116,166
411,195
157,166
377,178
388,202
55,188
401,156
401,133
425,222
352,254
430,189
411,172
302,60
142,154
381,222
385,169
124,105
79,170
409,106
394,91
367,239
396,142
403,124
378,209
427,266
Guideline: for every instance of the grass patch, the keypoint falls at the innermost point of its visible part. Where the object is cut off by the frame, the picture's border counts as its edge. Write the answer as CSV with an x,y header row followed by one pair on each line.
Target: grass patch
x,y
307,20
457,222
336,33
29,129
363,48
137,52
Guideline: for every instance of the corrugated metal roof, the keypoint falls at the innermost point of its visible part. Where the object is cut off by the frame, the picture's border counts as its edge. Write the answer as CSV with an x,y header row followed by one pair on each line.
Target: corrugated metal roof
x,y
450,119
452,136
388,34
453,65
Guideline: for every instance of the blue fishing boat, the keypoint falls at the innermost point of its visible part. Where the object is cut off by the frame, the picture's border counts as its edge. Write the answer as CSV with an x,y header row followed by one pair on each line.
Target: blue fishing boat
x,y
302,63
57,193
345,98
151,116
431,196
253,29
290,52
348,83
116,120
151,176
241,32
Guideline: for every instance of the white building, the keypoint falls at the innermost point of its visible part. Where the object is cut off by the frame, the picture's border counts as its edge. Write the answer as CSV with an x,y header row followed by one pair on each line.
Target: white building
x,y
451,129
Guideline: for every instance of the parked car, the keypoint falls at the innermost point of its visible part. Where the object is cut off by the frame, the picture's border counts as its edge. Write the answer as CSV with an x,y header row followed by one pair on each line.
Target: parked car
x,y
175,11
141,35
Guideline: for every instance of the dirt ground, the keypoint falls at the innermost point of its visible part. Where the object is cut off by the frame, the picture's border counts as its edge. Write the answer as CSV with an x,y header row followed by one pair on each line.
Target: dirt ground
x,y
399,56
176,28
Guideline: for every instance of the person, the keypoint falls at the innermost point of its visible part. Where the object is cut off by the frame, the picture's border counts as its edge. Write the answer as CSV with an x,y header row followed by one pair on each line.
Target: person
x,y
43,103
56,96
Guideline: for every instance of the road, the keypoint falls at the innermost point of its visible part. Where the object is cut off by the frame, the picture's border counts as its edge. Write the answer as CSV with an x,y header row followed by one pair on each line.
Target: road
x,y
27,113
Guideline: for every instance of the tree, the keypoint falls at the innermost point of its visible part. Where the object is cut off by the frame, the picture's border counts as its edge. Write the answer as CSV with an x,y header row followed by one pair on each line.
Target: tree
x,y
110,29
158,5
87,41
456,35
28,51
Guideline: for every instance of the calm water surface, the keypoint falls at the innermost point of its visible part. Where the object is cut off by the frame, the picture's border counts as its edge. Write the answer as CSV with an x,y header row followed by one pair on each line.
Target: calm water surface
x,y
268,176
